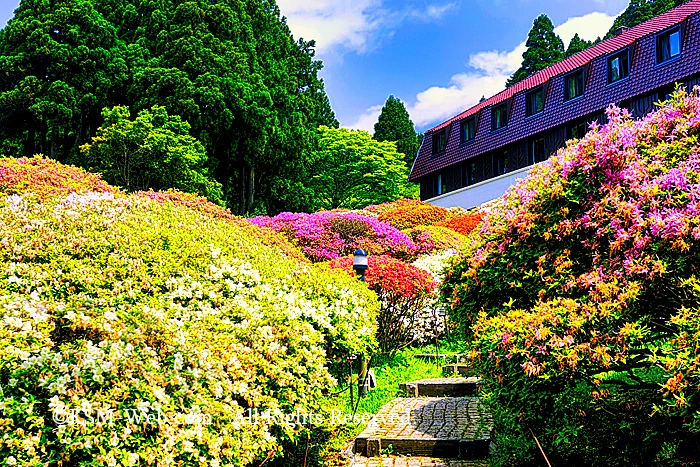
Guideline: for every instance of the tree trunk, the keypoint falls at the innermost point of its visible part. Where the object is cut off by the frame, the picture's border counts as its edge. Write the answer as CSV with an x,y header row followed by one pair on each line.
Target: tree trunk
x,y
31,137
251,190
242,199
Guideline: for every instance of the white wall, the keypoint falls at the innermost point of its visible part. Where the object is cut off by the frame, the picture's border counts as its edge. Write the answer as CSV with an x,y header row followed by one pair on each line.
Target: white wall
x,y
480,193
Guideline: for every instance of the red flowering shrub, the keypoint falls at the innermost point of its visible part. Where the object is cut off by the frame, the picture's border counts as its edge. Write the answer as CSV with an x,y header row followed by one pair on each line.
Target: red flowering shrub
x,y
413,214
581,297
432,239
463,224
46,177
403,290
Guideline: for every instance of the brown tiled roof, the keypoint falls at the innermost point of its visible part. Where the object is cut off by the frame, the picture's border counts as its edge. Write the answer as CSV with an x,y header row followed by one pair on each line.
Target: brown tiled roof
x,y
645,76
652,26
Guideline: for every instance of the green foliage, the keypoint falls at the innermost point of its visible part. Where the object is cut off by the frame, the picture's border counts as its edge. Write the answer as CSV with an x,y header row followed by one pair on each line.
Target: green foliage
x,y
328,441
394,124
352,170
544,48
580,298
153,151
61,62
432,238
116,302
232,69
577,45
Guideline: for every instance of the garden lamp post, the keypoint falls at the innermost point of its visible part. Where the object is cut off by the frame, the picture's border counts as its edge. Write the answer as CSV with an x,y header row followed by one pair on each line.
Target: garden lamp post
x,y
359,263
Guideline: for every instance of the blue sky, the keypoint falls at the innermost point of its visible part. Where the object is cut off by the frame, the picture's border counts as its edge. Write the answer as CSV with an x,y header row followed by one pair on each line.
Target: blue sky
x,y
438,56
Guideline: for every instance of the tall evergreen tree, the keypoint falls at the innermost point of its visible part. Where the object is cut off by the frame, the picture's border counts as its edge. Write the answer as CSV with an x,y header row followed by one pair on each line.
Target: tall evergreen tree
x,y
60,63
394,124
577,45
544,48
230,68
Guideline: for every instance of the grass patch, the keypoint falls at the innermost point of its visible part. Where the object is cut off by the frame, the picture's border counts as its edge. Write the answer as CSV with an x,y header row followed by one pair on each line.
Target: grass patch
x,y
327,442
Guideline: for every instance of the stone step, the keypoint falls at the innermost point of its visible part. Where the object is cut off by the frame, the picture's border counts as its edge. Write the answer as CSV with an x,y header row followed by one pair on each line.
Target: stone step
x,y
439,427
458,369
441,387
400,461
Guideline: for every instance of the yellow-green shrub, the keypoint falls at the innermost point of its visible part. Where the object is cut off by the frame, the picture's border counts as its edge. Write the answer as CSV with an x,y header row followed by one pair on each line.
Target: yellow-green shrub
x,y
114,302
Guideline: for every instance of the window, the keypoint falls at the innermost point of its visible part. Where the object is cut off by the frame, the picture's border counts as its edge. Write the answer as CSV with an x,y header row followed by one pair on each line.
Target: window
x,y
618,66
534,101
573,85
577,131
439,142
499,117
468,129
469,173
668,45
537,153
439,184
501,163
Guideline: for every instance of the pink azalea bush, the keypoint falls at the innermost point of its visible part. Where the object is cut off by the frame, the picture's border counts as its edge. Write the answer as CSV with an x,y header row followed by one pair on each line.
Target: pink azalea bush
x,y
581,296
326,235
46,177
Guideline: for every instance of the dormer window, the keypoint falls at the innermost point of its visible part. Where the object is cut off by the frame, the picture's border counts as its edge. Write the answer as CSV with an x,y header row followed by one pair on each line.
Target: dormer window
x,y
468,129
534,101
499,117
573,85
618,66
668,45
439,142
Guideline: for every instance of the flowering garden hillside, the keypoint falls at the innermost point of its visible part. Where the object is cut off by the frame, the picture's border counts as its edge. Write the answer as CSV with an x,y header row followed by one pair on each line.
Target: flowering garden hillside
x,y
581,298
138,329
409,243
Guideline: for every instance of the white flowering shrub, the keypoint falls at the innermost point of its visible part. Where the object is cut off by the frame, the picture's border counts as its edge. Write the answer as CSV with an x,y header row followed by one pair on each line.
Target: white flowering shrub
x,y
142,330
432,320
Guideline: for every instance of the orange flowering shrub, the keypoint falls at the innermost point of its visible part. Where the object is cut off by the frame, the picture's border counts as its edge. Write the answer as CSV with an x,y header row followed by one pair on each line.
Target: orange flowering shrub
x,y
463,224
378,209
409,215
432,239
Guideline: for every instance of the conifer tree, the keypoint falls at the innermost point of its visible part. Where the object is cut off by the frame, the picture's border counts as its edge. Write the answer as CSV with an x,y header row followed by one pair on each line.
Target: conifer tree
x,y
394,124
577,45
544,48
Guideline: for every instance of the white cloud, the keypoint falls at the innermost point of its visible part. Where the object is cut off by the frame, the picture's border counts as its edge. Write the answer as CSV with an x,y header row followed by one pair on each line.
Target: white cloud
x,y
332,22
436,11
350,24
487,74
588,27
368,119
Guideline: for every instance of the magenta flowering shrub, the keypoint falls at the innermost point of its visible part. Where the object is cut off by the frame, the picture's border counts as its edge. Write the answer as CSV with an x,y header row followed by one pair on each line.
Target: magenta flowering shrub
x,y
581,298
327,235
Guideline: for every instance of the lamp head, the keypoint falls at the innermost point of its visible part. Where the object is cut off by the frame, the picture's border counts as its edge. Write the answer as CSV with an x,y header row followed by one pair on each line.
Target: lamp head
x,y
359,260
